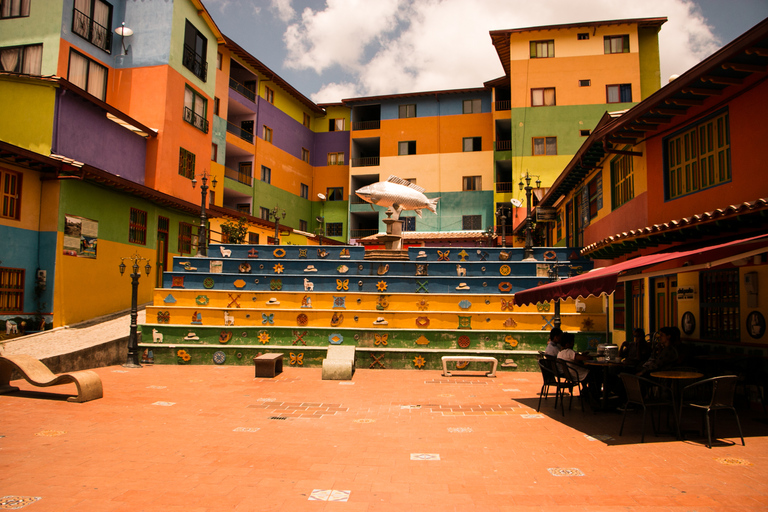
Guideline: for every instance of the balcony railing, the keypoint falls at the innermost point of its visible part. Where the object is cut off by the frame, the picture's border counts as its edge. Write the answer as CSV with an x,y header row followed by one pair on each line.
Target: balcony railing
x,y
362,233
243,134
85,26
237,86
239,176
195,63
369,161
505,187
503,145
503,105
196,120
366,125
355,199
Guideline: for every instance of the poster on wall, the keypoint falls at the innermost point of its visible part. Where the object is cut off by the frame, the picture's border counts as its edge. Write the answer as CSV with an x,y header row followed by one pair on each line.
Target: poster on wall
x,y
81,236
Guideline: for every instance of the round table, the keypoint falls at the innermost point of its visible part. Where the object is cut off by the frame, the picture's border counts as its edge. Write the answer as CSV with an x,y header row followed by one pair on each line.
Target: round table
x,y
605,365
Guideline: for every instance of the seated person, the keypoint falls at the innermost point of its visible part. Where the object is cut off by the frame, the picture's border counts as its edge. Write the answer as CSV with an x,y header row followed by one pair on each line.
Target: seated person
x,y
553,344
665,353
637,350
568,354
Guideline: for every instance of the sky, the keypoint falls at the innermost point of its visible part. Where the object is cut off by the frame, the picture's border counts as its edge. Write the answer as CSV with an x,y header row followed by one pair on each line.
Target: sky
x,y
331,50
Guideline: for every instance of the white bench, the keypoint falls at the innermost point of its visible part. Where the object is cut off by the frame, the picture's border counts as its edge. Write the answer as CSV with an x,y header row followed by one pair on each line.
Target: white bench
x,y
474,359
340,362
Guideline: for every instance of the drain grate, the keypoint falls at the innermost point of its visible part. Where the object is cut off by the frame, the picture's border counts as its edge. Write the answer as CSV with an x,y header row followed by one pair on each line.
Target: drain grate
x,y
278,417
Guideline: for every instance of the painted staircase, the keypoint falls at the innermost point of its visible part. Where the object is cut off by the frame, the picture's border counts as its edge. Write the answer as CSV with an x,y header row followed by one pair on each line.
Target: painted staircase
x,y
245,300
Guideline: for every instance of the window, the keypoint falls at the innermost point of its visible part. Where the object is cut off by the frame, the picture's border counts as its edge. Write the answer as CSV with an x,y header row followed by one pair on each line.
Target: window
x,y
584,133
186,163
263,213
245,173
471,222
10,194
543,97
87,75
559,226
305,154
267,133
616,44
22,59
335,193
195,109
92,20
622,181
621,93
216,105
304,191
137,227
472,144
219,60
407,147
244,208
542,49
195,51
185,238
405,111
269,95
334,229
585,83
11,290
214,152
335,158
409,223
302,225
699,157
595,190
472,106
472,183
582,36
307,120
14,8
266,174
336,125
253,238
544,146
719,304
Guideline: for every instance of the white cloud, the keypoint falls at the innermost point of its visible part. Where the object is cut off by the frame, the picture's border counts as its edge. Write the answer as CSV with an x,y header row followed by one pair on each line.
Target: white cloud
x,y
284,10
390,46
335,92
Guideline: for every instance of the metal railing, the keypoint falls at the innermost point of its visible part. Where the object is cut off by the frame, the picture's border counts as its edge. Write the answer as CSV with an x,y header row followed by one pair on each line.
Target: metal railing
x,y
87,28
368,161
362,233
503,105
243,134
237,86
366,125
195,63
196,120
239,176
505,187
503,145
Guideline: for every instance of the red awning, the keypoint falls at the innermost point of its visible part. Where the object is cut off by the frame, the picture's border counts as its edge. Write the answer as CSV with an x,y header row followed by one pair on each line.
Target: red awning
x,y
603,280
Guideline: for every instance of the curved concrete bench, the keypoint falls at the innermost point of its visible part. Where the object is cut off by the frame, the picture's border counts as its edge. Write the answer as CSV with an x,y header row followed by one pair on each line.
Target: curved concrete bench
x,y
36,373
340,363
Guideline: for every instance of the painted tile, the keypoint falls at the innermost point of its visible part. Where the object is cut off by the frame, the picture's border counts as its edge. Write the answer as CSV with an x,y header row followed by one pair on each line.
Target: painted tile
x,y
565,472
16,502
425,456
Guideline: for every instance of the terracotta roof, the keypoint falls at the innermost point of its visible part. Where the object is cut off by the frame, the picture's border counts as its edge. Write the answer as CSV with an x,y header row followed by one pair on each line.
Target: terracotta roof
x,y
715,222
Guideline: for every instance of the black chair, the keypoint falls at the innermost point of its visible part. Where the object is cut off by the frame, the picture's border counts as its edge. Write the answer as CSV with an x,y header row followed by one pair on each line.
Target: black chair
x,y
648,395
569,380
550,380
721,397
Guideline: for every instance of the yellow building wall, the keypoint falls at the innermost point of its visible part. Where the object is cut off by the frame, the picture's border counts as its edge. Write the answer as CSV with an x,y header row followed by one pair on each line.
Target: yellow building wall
x,y
27,114
320,124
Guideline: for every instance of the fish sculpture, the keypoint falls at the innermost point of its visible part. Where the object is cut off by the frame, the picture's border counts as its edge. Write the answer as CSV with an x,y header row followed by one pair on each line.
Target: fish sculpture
x,y
399,194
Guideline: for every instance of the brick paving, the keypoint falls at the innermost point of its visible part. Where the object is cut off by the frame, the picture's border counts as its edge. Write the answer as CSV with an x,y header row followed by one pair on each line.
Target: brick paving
x,y
207,438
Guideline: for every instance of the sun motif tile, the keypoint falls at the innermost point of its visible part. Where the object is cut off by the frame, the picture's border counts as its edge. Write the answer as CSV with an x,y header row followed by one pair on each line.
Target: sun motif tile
x,y
565,472
17,502
381,286
264,337
419,362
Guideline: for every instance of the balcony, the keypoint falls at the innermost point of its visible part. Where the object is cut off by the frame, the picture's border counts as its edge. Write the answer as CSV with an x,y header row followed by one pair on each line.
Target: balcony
x,y
366,125
237,86
243,134
362,233
196,120
90,30
503,145
195,63
239,176
369,161
503,105
504,188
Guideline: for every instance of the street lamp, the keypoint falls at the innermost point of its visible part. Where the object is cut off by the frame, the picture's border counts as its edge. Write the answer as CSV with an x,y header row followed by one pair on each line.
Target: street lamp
x,y
275,215
202,238
528,251
321,219
502,216
133,341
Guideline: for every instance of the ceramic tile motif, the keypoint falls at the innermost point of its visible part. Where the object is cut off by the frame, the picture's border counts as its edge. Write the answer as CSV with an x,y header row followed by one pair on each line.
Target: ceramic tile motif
x,y
17,502
425,456
329,495
565,472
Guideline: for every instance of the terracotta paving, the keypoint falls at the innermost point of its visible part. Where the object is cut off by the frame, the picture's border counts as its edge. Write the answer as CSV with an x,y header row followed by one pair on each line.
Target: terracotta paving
x,y
205,438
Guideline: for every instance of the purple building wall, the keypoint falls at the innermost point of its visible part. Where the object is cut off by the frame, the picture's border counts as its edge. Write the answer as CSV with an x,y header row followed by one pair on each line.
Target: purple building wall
x,y
329,142
287,133
83,132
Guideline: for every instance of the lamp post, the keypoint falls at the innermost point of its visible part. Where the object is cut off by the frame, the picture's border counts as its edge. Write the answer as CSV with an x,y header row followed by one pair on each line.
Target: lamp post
x,y
502,216
275,215
202,237
133,339
528,250
321,219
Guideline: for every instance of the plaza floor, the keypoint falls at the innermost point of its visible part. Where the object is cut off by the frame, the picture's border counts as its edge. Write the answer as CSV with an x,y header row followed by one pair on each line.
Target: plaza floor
x,y
207,438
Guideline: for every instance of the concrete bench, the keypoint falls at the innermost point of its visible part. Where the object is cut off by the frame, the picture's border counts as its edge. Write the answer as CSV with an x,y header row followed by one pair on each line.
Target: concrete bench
x,y
268,365
474,359
339,364
36,373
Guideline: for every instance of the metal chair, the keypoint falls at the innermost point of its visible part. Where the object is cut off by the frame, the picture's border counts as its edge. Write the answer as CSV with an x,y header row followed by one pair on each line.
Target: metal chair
x,y
569,380
648,395
721,397
550,380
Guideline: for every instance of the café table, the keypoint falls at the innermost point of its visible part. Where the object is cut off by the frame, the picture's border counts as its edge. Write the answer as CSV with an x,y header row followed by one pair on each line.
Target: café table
x,y
605,365
676,377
